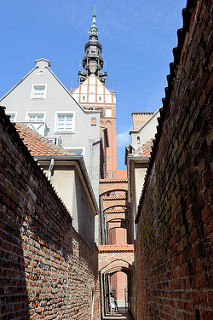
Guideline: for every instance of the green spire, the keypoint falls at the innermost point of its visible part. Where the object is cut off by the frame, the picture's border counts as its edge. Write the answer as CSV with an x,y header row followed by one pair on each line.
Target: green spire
x,y
94,28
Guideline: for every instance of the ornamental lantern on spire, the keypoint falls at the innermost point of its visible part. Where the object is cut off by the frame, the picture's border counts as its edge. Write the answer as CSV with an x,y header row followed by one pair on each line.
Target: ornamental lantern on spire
x,y
92,61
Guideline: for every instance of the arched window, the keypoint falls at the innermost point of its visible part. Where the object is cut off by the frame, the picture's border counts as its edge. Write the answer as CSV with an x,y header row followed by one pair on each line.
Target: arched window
x,y
138,139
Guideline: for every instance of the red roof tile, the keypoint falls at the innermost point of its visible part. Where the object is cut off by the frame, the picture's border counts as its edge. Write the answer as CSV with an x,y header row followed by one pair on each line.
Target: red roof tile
x,y
113,180
37,144
144,150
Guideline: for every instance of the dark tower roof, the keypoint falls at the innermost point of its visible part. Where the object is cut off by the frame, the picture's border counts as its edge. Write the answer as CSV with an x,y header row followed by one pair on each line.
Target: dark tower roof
x,y
92,61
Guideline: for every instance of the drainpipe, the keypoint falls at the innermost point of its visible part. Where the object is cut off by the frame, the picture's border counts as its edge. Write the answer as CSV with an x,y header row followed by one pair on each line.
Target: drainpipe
x,y
50,168
92,144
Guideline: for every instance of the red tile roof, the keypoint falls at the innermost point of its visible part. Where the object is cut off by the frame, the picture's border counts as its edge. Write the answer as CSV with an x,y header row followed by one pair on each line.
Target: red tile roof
x,y
113,180
144,150
37,144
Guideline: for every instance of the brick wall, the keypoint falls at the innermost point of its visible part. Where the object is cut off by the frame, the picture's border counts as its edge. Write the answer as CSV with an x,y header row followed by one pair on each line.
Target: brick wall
x,y
175,221
139,119
46,270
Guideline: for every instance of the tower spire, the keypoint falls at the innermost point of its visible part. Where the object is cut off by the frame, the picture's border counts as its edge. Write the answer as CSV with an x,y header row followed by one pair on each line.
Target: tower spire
x,y
94,28
93,61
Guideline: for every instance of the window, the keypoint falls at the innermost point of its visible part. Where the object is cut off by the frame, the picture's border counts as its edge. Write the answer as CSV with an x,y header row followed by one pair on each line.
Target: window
x,y
99,98
35,117
83,97
39,91
12,116
93,121
65,122
108,112
138,139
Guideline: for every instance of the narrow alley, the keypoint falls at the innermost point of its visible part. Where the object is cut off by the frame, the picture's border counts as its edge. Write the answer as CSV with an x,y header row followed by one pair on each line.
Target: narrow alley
x,y
80,237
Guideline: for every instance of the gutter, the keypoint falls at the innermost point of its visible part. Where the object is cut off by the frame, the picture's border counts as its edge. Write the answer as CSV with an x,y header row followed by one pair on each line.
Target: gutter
x,y
50,168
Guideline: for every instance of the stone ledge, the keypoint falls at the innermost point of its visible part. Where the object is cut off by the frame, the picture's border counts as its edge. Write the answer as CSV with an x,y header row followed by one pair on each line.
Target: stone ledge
x,y
115,248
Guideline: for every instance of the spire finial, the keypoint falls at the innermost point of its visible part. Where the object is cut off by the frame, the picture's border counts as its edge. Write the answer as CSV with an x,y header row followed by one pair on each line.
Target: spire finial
x,y
94,28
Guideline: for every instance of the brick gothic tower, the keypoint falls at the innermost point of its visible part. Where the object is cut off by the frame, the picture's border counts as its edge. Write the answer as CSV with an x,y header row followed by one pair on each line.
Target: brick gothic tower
x,y
93,94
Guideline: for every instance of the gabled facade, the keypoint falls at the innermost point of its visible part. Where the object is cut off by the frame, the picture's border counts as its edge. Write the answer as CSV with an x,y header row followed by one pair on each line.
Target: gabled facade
x,y
144,127
42,101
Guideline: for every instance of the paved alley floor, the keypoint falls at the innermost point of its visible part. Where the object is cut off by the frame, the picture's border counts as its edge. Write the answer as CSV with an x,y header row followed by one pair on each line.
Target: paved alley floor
x,y
121,315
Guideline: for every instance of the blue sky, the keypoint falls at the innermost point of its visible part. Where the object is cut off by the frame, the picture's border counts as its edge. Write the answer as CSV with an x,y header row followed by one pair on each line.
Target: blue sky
x,y
137,38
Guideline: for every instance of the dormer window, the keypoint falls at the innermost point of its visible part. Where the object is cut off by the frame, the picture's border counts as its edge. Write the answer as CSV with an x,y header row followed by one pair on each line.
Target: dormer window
x,y
39,91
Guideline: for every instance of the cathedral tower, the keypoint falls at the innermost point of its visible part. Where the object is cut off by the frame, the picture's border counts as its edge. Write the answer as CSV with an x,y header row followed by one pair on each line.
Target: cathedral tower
x,y
92,93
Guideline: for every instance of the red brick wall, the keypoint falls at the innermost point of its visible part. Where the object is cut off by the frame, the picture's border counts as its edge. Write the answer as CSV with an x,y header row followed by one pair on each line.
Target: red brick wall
x,y
139,119
175,222
46,270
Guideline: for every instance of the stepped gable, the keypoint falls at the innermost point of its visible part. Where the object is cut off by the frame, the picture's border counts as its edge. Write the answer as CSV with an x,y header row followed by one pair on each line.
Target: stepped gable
x,y
37,144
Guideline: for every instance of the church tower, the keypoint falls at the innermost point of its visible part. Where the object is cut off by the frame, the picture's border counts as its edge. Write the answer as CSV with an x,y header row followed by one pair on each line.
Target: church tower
x,y
92,93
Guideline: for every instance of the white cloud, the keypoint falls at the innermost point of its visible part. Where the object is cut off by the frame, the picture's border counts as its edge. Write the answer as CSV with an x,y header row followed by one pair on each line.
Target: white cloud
x,y
123,138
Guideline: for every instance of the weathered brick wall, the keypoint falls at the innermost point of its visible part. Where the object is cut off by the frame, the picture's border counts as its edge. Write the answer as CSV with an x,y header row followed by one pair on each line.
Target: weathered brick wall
x,y
46,270
175,221
139,119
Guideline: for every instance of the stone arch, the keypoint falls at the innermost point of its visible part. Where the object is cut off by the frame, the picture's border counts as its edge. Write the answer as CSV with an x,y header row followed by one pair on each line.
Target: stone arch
x,y
116,206
117,265
114,190
113,185
111,268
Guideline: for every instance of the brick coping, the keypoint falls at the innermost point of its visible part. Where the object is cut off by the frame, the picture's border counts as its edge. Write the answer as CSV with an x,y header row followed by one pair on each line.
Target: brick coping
x,y
112,180
113,248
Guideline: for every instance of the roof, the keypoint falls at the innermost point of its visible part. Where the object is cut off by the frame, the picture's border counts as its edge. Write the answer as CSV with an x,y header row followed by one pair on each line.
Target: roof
x,y
43,149
25,151
37,144
142,113
144,150
113,180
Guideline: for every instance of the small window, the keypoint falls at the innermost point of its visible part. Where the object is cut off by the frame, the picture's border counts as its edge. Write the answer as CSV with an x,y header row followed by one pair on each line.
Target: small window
x,y
99,98
39,91
83,97
108,112
35,117
12,116
138,139
93,121
65,122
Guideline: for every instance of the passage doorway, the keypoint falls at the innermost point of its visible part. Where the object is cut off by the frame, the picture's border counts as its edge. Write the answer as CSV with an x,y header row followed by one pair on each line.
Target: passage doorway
x,y
117,279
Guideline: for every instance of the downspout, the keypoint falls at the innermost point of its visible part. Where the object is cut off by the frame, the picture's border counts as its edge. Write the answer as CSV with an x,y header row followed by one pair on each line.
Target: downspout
x,y
50,168
91,156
